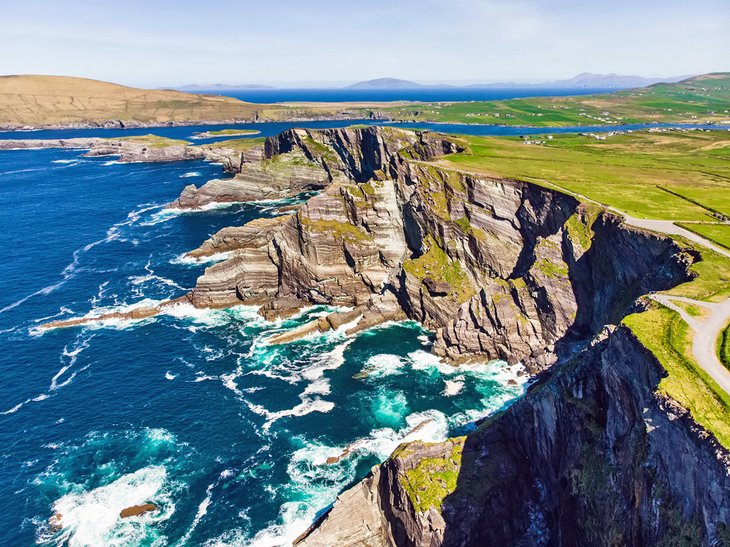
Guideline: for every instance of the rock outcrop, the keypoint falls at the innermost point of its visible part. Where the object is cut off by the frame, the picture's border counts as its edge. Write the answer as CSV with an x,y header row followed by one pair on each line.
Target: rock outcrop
x,y
147,148
592,455
501,269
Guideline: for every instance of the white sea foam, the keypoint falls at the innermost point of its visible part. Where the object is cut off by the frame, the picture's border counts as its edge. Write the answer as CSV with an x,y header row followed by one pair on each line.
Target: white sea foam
x,y
423,360
91,517
318,387
190,174
383,364
170,376
307,406
202,511
316,483
453,387
113,162
187,260
15,408
330,360
151,276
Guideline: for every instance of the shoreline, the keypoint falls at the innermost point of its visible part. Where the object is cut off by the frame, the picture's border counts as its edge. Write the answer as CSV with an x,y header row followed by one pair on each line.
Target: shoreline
x,y
118,124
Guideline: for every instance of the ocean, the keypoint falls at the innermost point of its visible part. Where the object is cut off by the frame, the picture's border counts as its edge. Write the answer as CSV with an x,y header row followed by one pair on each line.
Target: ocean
x,y
191,410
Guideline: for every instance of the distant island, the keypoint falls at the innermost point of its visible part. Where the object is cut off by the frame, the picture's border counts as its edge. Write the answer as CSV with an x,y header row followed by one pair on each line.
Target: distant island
x,y
385,83
585,80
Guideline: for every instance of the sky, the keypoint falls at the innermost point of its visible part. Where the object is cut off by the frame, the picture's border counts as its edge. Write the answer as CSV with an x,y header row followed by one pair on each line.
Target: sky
x,y
287,42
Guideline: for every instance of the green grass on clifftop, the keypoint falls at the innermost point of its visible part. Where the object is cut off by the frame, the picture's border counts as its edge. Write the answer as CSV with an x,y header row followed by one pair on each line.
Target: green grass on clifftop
x,y
668,337
723,347
631,172
717,233
432,479
153,141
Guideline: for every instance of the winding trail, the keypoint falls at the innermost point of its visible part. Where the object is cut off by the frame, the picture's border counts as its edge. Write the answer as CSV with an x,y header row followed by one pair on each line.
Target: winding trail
x,y
707,332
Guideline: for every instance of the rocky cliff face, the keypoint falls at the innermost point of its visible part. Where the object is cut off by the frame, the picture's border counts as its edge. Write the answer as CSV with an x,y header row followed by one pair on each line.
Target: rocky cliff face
x,y
592,455
499,268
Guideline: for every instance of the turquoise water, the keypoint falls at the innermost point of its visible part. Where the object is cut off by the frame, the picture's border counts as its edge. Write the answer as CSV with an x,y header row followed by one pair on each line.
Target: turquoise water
x,y
191,410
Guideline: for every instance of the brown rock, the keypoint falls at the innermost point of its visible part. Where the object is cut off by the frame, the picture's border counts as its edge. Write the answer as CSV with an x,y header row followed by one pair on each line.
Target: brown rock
x,y
56,522
137,510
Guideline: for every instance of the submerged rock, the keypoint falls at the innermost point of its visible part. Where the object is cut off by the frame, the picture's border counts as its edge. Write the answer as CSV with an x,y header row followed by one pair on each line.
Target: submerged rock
x,y
137,510
55,523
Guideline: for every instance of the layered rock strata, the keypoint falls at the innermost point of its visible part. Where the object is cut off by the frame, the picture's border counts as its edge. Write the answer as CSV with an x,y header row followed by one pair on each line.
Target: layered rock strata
x,y
500,269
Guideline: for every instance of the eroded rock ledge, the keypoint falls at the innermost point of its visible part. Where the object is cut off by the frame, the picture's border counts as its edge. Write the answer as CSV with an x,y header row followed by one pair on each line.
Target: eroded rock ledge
x,y
142,148
501,269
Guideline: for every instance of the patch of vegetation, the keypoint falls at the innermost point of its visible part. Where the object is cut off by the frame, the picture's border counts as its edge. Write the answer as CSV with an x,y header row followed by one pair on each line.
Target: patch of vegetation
x,y
432,479
692,309
153,141
232,132
718,233
237,144
323,151
368,188
663,332
340,230
437,265
466,226
549,266
723,347
712,281
580,225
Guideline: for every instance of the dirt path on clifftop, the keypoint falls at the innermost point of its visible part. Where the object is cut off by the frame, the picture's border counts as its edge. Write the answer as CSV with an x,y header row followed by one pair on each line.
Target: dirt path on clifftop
x,y
707,332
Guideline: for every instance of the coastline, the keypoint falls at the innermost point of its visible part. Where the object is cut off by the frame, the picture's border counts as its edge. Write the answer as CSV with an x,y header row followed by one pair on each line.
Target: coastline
x,y
119,124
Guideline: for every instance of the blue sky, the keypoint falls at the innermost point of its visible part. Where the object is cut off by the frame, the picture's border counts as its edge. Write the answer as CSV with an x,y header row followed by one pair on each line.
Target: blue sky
x,y
175,42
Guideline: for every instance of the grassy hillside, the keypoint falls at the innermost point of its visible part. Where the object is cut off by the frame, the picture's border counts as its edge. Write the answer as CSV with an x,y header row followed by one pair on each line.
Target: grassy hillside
x,y
682,175
699,99
61,100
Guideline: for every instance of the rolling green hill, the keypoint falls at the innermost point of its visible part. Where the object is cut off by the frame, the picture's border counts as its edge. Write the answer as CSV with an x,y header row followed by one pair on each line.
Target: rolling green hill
x,y
699,99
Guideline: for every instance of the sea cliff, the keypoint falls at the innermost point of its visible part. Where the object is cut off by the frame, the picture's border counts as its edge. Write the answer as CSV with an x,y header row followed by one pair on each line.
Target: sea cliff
x,y
499,269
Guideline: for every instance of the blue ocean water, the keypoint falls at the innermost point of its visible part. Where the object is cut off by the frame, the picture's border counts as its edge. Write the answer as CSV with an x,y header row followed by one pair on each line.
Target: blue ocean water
x,y
267,129
424,94
191,410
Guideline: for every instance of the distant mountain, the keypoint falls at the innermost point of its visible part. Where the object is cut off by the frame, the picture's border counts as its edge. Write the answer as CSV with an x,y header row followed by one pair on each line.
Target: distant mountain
x,y
221,87
385,83
586,80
